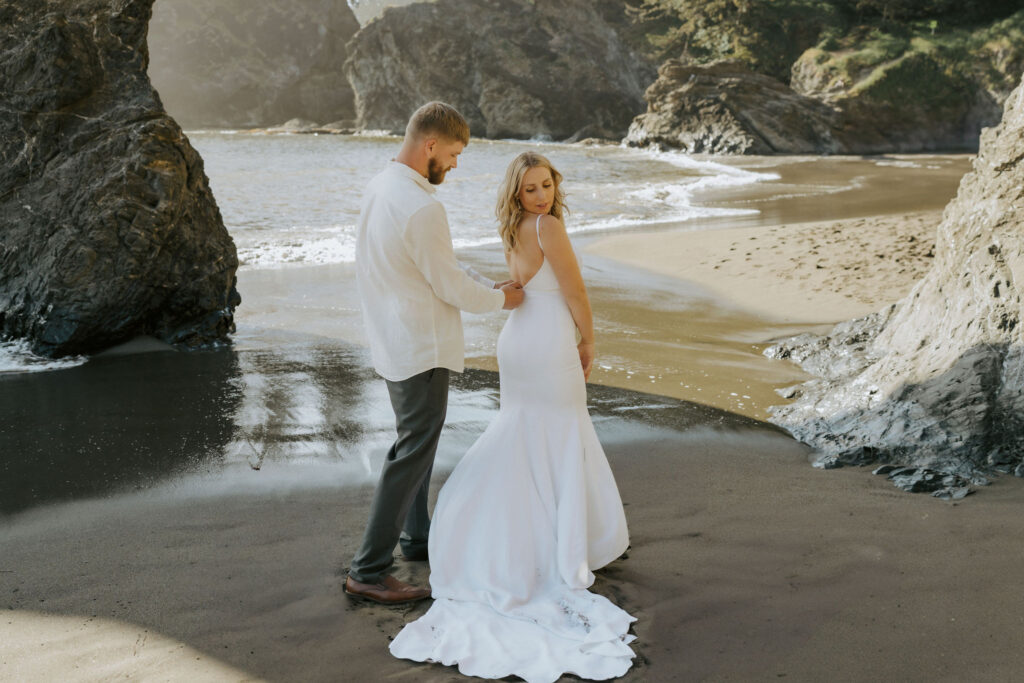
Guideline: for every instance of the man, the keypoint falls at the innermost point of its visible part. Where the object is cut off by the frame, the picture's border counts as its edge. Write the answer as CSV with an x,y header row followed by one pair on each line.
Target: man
x,y
412,289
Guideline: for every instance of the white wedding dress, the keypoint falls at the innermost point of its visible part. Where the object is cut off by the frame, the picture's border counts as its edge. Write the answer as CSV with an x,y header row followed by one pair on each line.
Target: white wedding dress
x,y
523,520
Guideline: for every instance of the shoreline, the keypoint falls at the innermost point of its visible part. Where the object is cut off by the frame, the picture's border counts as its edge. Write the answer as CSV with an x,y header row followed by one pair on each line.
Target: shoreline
x,y
813,273
657,332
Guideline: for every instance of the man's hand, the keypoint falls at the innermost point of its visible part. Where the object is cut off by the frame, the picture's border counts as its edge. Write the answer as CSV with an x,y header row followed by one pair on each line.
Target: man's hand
x,y
500,285
587,353
513,295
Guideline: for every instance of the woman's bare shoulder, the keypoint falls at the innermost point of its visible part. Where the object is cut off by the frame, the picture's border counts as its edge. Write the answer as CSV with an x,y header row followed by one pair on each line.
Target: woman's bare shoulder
x,y
550,224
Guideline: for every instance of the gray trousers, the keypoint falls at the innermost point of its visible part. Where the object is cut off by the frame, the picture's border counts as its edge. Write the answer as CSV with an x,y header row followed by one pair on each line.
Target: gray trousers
x,y
399,507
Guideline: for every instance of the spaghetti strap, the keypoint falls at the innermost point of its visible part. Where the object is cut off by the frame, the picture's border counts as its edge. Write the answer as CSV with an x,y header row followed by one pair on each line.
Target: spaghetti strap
x,y
538,234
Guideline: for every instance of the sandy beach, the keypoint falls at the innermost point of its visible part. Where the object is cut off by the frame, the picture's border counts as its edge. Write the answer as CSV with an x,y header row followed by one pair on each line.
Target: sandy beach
x,y
814,272
219,555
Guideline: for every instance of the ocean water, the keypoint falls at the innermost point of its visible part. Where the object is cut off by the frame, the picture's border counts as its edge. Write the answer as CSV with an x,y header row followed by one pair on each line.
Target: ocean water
x,y
293,200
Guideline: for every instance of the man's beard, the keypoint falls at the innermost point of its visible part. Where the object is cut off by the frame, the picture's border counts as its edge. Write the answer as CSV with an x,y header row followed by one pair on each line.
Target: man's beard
x,y
435,172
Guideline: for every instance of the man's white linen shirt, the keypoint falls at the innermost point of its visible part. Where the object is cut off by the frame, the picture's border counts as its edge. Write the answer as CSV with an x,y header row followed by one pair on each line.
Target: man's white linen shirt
x,y
410,284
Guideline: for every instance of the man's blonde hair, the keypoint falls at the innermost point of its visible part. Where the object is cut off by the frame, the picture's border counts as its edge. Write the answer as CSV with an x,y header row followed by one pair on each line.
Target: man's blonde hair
x,y
440,119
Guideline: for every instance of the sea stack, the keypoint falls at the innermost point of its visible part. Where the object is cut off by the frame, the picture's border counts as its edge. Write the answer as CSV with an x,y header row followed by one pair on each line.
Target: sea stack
x,y
108,228
936,380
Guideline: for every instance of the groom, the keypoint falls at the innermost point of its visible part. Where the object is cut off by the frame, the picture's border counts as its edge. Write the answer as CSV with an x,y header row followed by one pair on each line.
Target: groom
x,y
412,289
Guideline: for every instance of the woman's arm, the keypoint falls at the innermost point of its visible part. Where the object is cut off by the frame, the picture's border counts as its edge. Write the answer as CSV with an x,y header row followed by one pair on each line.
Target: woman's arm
x,y
558,251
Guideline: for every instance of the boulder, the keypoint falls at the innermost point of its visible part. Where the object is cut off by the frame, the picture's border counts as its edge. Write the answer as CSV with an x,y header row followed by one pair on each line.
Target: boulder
x,y
725,108
108,228
514,68
937,379
244,64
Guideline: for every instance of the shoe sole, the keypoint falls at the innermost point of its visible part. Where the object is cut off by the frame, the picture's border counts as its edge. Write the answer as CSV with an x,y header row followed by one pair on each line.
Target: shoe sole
x,y
368,598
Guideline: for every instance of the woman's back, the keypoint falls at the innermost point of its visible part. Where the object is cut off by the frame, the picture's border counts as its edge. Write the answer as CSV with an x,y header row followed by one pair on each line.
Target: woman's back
x,y
527,257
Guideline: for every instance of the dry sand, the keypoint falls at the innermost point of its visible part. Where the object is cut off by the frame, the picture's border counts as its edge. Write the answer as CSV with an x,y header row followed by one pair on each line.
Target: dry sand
x,y
814,272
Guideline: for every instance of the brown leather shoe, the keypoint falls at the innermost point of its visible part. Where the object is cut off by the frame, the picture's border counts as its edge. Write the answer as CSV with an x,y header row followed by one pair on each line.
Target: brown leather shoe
x,y
390,591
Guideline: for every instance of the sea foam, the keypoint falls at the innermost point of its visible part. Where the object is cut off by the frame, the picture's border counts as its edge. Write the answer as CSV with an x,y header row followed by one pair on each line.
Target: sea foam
x,y
16,356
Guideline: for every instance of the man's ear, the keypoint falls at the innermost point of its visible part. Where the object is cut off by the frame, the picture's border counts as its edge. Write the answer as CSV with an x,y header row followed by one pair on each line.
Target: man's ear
x,y
429,144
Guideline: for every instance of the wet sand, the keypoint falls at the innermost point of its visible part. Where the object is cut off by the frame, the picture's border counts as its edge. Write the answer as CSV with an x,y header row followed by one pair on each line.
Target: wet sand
x,y
178,516
746,565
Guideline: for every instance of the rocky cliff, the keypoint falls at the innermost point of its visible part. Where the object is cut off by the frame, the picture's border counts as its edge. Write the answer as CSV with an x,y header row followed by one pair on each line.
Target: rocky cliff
x,y
937,380
108,228
725,108
514,68
237,63
843,81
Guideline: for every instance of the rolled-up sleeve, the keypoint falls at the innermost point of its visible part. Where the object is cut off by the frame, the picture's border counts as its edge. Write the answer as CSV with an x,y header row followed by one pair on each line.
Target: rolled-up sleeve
x,y
428,241
473,273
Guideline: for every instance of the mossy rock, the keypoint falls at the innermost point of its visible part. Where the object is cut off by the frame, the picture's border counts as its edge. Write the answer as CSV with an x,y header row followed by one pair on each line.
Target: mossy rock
x,y
914,77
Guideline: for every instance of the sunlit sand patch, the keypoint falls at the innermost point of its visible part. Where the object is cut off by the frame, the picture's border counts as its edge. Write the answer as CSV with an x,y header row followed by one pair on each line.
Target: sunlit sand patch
x,y
47,647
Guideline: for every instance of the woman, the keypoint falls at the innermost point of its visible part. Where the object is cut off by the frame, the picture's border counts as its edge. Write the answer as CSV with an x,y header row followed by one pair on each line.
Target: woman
x,y
532,509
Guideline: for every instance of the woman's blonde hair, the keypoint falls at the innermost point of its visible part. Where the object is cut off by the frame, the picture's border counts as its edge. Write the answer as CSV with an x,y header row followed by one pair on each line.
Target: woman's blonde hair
x,y
509,210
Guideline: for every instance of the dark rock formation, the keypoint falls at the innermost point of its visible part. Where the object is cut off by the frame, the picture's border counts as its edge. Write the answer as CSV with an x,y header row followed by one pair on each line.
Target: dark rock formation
x,y
108,228
936,380
514,68
725,108
924,480
244,64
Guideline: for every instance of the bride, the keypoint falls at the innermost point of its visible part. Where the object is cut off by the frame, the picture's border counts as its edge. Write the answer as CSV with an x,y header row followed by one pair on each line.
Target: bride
x,y
532,508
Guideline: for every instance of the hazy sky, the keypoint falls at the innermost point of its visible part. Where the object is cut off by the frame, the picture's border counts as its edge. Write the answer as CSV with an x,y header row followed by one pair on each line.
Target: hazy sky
x,y
365,10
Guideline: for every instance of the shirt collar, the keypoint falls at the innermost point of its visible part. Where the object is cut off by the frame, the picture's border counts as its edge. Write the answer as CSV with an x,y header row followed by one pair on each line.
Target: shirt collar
x,y
399,167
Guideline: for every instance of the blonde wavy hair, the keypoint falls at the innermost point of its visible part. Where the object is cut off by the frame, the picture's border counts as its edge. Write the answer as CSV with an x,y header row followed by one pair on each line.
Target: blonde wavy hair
x,y
509,211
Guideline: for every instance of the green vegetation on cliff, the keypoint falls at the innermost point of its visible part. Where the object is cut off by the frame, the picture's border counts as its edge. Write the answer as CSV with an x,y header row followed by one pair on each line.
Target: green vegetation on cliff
x,y
868,58
766,36
955,42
